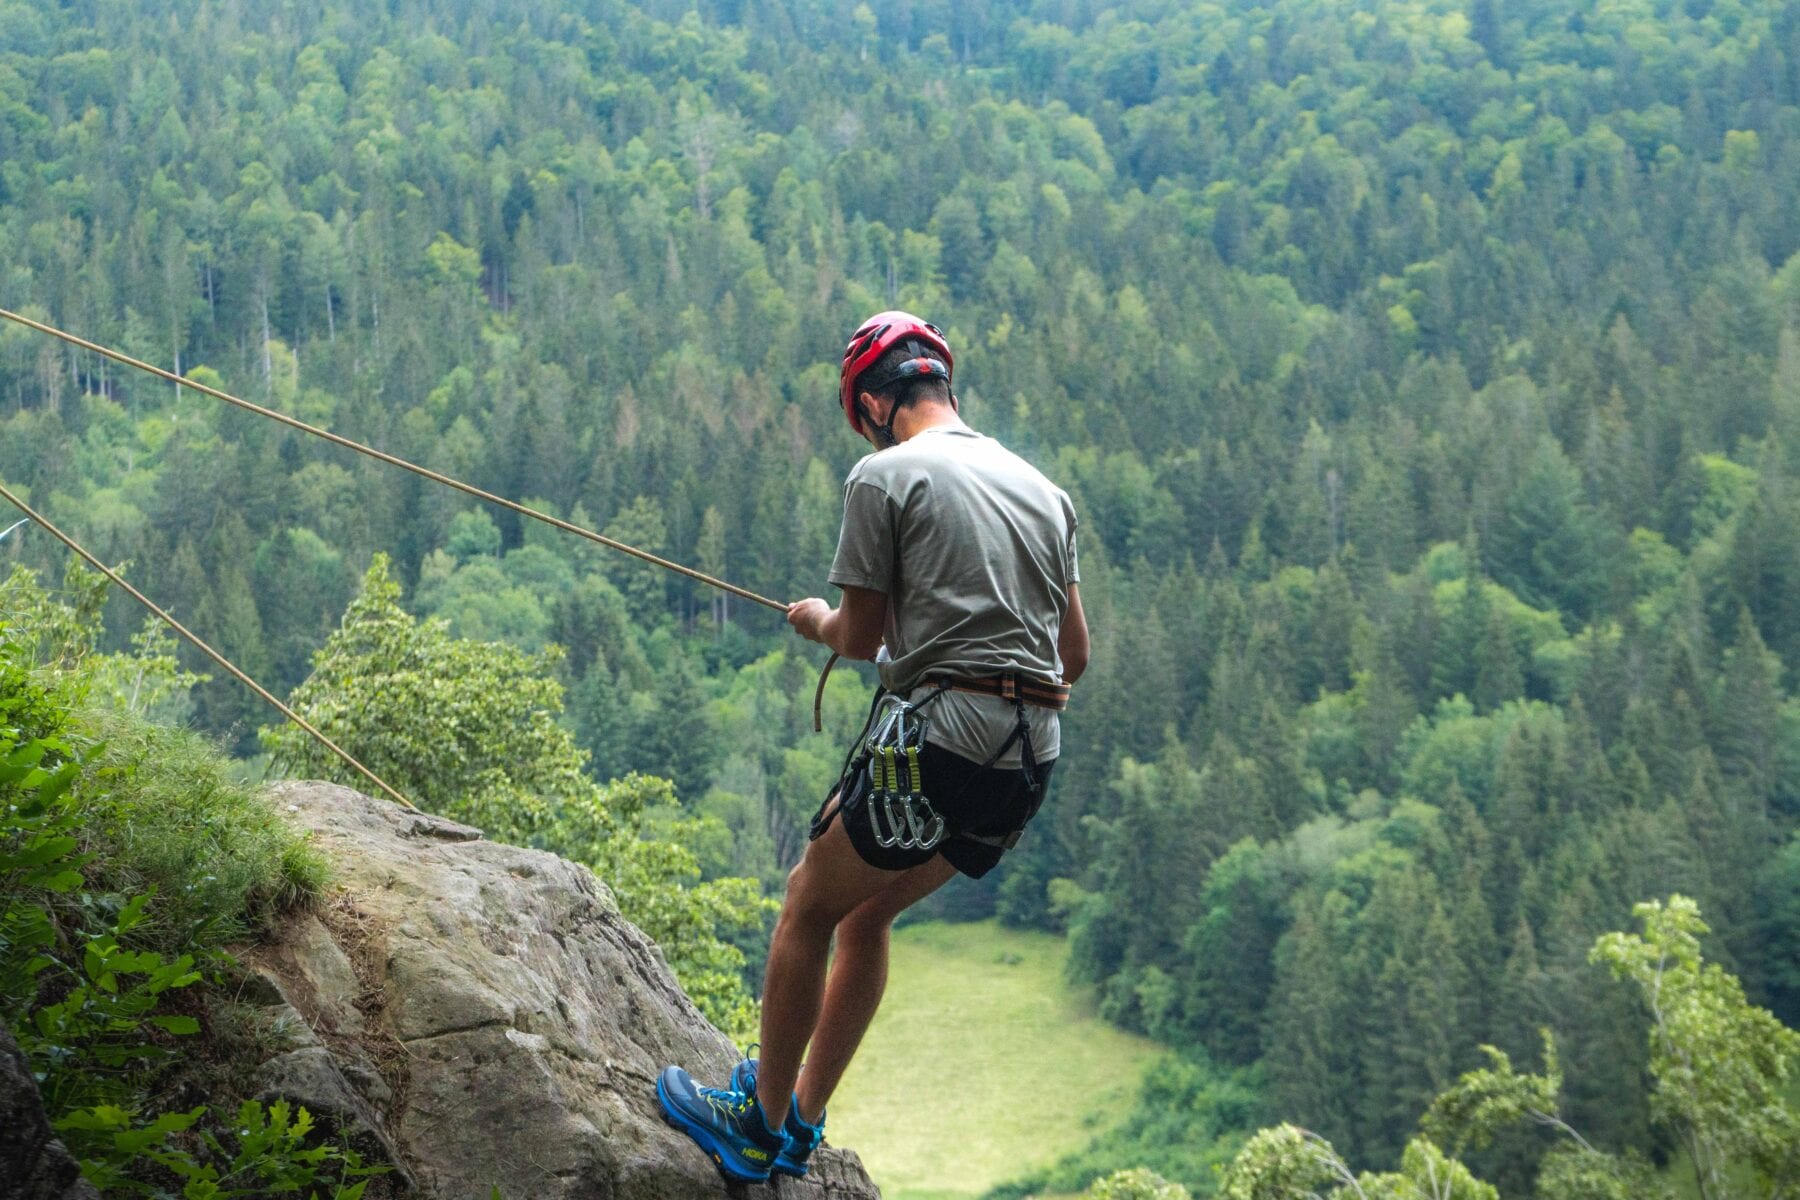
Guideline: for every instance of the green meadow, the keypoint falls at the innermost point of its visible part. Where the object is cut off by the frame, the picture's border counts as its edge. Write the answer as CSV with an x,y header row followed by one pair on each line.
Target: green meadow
x,y
983,1064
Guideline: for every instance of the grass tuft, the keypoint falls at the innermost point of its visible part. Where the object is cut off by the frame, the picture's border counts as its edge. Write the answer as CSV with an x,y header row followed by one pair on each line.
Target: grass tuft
x,y
163,811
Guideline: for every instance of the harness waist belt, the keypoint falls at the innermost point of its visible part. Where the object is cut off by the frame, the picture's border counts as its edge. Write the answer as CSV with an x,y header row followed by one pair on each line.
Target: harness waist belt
x,y
1010,686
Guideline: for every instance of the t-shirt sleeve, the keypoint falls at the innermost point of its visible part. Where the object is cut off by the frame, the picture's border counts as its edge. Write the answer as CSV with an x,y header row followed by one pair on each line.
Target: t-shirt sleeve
x,y
1074,559
867,544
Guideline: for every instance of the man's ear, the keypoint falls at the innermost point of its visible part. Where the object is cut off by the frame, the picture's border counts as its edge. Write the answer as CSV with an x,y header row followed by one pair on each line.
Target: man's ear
x,y
868,402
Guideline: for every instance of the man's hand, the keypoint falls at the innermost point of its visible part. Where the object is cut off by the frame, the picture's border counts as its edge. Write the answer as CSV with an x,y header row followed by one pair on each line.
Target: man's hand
x,y
808,618
853,630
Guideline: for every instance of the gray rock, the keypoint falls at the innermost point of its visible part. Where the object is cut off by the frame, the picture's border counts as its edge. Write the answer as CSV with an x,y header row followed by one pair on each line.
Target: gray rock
x,y
33,1164
343,1092
486,1014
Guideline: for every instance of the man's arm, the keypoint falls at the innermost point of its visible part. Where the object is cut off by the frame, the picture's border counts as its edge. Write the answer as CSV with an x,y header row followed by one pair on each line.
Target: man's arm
x,y
1072,638
853,629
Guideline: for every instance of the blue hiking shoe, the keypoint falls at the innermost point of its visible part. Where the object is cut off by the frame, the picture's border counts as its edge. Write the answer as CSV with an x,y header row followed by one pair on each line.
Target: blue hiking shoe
x,y
727,1124
799,1139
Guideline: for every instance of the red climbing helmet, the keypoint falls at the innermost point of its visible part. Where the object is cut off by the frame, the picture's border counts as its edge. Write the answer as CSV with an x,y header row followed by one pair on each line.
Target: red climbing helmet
x,y
875,337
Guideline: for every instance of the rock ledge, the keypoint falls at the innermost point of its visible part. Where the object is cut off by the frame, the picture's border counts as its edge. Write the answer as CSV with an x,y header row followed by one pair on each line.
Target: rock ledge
x,y
484,1017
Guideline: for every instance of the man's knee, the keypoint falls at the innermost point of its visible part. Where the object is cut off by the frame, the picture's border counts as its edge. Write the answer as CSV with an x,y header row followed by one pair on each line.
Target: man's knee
x,y
807,903
866,924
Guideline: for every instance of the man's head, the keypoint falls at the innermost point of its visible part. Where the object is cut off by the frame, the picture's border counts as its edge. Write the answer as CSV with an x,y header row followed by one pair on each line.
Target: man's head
x,y
894,361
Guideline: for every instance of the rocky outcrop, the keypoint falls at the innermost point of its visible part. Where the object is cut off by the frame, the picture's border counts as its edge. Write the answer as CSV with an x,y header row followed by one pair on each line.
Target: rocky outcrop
x,y
33,1164
483,1017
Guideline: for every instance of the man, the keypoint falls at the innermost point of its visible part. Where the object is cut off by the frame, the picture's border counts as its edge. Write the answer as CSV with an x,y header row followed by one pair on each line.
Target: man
x,y
957,562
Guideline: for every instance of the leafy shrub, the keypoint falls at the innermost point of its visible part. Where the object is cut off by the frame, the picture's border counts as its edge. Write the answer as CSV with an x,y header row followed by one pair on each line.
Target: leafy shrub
x,y
1720,1064
262,1152
93,1035
1136,1184
468,729
122,863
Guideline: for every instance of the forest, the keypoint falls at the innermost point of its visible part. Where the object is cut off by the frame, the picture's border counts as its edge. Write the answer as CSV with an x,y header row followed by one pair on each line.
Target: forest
x,y
1426,374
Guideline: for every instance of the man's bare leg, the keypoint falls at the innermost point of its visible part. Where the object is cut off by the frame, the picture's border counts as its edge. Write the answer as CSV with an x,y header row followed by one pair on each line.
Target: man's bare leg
x,y
858,977
831,882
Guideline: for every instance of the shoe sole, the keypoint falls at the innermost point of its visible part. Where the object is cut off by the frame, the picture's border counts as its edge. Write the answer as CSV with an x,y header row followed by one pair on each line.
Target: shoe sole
x,y
723,1156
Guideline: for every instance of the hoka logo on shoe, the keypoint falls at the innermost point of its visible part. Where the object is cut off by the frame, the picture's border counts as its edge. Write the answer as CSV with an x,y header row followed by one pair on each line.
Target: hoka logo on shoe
x,y
752,1152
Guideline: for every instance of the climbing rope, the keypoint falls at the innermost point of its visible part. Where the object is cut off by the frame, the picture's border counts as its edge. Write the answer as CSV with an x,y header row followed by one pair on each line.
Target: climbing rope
x,y
394,461
819,694
32,515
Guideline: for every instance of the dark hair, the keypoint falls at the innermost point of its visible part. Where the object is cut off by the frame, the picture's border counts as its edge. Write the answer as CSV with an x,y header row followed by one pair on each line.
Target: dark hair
x,y
903,391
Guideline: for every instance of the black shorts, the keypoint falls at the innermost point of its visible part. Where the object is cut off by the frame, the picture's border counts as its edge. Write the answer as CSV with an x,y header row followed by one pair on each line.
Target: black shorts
x,y
984,811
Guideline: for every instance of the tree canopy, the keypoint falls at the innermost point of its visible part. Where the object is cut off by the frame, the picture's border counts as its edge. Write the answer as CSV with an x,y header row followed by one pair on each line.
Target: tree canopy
x,y
1426,376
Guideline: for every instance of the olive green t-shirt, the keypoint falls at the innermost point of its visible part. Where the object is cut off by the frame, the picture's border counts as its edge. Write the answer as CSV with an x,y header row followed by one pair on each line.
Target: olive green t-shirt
x,y
975,551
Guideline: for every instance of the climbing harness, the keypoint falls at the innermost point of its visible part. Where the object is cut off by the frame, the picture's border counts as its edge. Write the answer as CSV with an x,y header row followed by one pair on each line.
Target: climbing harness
x,y
882,770
1020,689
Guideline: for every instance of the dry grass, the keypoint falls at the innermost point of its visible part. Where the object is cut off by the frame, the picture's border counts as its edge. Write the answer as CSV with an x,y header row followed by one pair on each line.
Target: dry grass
x,y
364,942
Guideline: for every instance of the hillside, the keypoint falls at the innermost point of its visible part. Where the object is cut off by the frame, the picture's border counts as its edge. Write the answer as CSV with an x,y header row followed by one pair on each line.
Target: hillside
x,y
978,1017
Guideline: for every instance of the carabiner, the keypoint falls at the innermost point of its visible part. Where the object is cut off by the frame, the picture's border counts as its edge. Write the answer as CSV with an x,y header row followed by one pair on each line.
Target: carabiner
x,y
885,841
897,784
904,834
929,841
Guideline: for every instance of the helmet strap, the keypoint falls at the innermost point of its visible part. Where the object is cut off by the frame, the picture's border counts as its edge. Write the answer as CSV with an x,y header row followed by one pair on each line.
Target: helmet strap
x,y
883,433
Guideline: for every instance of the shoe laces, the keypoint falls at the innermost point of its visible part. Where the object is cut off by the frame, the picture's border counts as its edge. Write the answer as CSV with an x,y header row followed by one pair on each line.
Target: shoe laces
x,y
726,1102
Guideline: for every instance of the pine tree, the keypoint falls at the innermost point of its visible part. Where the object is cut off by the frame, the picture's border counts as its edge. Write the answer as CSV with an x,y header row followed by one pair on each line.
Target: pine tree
x,y
599,713
1467,627
1731,830
672,735
1746,711
1310,1060
645,586
1498,675
1411,1052
1592,788
1522,1001
1477,951
1415,646
1230,956
1597,1027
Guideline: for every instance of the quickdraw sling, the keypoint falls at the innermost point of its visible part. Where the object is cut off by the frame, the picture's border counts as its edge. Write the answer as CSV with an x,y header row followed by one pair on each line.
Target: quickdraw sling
x,y
882,772
896,783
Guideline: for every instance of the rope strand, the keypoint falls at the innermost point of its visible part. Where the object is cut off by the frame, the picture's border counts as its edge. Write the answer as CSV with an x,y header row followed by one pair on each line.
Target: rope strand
x,y
205,649
379,456
395,461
